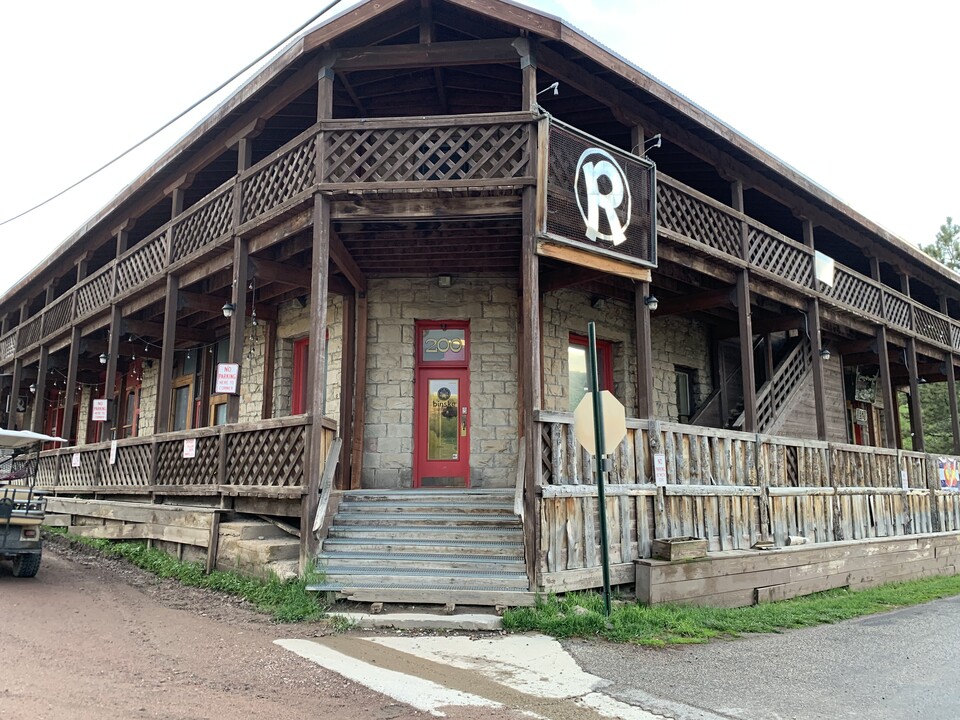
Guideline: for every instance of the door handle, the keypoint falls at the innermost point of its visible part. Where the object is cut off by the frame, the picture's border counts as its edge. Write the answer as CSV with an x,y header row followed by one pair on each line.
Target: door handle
x,y
463,421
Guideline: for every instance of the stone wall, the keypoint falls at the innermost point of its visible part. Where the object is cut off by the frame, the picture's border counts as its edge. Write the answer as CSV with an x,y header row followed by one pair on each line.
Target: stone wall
x,y
293,323
491,306
148,397
676,341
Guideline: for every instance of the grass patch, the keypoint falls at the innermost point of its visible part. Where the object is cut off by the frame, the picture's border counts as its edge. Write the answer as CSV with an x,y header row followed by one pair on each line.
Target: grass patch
x,y
580,614
286,601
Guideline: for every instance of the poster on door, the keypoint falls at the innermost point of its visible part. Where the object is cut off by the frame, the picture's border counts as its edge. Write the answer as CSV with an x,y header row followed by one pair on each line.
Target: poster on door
x,y
949,472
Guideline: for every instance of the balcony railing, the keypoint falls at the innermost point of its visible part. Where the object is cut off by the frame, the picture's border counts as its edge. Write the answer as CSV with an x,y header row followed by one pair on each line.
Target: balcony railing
x,y
449,152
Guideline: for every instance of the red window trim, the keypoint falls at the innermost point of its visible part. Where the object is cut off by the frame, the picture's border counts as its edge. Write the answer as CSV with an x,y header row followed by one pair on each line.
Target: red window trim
x,y
604,359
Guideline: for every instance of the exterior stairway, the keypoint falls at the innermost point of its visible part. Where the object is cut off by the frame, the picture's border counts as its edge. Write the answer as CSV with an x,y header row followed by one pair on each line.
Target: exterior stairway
x,y
425,546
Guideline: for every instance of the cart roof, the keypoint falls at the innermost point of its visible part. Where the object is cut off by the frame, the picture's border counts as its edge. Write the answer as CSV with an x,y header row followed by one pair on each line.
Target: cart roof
x,y
21,438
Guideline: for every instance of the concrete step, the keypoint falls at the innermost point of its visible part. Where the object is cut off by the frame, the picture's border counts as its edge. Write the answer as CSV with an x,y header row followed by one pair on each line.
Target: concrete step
x,y
284,569
419,595
418,579
423,506
240,554
452,496
251,530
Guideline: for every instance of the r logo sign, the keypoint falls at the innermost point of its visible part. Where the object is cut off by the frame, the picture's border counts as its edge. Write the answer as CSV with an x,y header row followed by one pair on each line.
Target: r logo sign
x,y
603,196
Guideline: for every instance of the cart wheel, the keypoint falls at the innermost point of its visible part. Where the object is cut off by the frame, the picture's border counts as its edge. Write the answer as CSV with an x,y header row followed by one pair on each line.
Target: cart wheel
x,y
26,565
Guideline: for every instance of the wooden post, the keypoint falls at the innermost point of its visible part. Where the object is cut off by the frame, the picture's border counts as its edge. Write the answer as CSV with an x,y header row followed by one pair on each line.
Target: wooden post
x,y
819,396
269,359
530,371
916,417
951,382
646,400
165,381
360,393
238,321
318,328
14,393
745,321
348,398
40,396
110,380
891,437
71,397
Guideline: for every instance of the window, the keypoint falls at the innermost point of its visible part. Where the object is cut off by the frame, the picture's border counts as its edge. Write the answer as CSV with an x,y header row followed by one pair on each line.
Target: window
x,y
685,379
180,415
577,374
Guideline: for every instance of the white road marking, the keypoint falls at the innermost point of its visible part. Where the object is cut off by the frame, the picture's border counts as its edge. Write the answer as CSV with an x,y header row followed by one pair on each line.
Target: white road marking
x,y
422,694
535,665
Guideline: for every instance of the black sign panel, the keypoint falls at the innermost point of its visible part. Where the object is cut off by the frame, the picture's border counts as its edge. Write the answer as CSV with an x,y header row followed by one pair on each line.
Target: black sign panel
x,y
600,198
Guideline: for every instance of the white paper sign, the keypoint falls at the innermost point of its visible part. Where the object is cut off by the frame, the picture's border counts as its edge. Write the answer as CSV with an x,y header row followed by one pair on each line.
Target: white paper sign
x,y
75,460
228,376
99,409
823,268
113,452
660,469
904,480
190,448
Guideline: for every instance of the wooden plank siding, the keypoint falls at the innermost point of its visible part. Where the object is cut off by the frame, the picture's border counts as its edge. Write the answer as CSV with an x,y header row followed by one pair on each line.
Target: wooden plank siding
x,y
732,488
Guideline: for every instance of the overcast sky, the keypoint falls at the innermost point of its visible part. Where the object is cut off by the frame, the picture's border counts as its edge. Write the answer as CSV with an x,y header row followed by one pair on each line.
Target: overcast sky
x,y
860,96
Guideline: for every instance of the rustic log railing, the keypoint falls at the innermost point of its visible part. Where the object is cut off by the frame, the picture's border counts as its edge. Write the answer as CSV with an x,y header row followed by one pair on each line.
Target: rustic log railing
x,y
731,488
264,459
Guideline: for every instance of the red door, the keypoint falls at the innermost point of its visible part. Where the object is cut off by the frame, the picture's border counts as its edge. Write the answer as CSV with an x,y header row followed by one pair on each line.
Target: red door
x,y
442,405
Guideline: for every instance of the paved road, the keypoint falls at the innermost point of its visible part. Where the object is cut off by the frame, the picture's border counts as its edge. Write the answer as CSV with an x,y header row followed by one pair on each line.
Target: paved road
x,y
898,665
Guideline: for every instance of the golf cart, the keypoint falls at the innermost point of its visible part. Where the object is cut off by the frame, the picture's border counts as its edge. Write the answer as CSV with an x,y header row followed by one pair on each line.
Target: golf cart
x,y
22,506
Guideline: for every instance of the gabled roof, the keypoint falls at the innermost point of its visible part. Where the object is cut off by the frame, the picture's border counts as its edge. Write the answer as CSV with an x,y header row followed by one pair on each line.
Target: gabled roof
x,y
636,93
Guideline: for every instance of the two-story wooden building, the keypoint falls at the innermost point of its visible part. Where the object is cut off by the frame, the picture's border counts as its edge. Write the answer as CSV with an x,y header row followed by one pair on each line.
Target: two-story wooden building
x,y
355,298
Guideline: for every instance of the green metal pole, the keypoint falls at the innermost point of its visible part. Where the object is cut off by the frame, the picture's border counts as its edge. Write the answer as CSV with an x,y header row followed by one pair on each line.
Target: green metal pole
x,y
600,461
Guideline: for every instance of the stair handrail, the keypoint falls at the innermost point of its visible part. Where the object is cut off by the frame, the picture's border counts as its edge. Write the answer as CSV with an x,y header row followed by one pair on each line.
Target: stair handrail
x,y
794,368
722,387
326,483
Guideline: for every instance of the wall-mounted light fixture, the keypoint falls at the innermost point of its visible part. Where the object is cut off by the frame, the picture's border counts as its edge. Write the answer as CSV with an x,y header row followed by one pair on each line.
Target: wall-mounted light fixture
x,y
103,358
33,388
825,354
552,86
444,281
598,303
651,302
228,308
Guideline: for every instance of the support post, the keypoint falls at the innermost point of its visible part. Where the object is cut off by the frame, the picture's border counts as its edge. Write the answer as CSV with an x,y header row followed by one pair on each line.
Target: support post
x,y
165,382
110,379
360,392
71,396
890,435
916,415
238,321
745,320
646,400
316,381
40,396
14,393
348,398
819,396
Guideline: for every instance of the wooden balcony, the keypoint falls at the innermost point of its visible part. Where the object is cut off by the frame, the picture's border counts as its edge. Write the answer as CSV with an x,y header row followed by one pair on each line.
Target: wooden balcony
x,y
465,153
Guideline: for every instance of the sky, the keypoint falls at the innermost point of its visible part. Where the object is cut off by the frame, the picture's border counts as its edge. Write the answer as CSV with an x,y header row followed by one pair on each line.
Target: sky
x,y
860,96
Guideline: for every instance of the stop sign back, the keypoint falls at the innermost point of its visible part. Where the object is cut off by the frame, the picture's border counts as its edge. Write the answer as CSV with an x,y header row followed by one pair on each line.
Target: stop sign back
x,y
614,422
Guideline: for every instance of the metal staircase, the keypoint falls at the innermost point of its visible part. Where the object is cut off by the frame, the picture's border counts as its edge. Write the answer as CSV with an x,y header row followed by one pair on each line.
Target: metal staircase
x,y
425,546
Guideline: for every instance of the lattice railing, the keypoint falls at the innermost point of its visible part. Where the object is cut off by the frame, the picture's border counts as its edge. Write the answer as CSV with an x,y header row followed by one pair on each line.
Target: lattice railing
x,y
132,466
204,223
8,345
682,212
426,154
787,260
855,291
95,292
58,315
30,332
142,264
175,469
272,457
934,327
274,181
89,471
897,310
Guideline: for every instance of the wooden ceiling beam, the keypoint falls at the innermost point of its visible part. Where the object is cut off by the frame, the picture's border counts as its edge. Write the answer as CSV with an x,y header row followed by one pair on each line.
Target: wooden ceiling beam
x,y
433,55
148,329
270,271
694,303
346,264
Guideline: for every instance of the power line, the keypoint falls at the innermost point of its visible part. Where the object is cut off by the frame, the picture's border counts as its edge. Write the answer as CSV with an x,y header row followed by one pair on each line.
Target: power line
x,y
190,109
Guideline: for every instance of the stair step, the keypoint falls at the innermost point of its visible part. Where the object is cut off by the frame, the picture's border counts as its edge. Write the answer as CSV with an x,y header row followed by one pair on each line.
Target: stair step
x,y
419,595
477,581
383,563
433,519
413,546
440,534
423,506
457,494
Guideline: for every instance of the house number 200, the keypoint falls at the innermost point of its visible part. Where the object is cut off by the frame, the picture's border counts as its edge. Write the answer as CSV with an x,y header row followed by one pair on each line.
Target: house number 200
x,y
442,345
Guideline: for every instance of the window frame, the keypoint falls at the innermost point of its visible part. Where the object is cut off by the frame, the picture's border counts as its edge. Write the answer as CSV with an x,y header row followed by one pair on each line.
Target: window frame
x,y
301,366
604,361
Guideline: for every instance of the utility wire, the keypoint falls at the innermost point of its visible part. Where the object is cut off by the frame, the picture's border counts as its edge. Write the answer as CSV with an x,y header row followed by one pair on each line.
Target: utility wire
x,y
190,109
